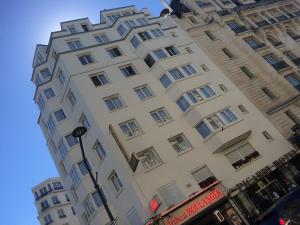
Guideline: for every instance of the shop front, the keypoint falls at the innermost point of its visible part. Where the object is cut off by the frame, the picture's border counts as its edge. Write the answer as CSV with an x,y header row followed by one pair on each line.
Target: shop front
x,y
210,207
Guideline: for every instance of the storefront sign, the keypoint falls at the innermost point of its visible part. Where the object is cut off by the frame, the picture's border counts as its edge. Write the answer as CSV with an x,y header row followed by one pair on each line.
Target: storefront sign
x,y
194,207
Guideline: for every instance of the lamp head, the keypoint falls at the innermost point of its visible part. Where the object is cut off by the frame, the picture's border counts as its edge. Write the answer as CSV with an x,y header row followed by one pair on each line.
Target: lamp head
x,y
79,131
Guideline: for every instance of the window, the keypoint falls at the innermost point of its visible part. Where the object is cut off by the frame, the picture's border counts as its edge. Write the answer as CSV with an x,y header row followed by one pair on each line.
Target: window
x,y
176,74
67,198
75,177
171,194
189,50
97,199
204,68
88,207
74,44
180,143
145,36
49,93
72,99
72,29
228,53
116,182
215,122
73,210
183,104
269,93
50,124
228,116
142,21
204,177
135,42
130,24
114,103
246,71
100,150
149,60
82,167
59,115
267,135
121,30
63,151
84,27
292,116
128,71
193,20
57,185
271,59
252,42
157,33
243,109
160,54
165,80
143,92
242,156
149,158
188,69
207,91
48,219
172,50
114,52
84,121
293,80
61,77
45,73
37,80
44,204
203,129
61,213
113,18
85,59
210,35
99,79
223,87
55,200
160,116
72,189
101,38
130,128
71,140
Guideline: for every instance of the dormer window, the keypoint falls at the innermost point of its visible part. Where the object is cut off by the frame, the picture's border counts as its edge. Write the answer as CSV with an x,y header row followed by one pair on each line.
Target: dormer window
x,y
72,29
84,27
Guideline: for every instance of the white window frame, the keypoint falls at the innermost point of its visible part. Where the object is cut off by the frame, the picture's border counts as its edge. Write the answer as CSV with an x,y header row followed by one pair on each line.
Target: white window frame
x,y
182,147
149,158
128,130
159,118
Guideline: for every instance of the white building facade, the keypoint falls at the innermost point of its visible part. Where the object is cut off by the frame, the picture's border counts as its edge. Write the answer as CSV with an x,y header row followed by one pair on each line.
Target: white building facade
x,y
53,203
142,87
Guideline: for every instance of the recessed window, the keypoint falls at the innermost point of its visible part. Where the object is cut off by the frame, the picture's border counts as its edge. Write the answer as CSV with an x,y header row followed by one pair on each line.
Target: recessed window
x,y
145,36
76,44
180,143
114,52
142,21
176,74
149,158
74,174
269,93
101,38
60,115
267,135
100,150
130,128
149,60
99,79
121,30
228,53
72,29
204,177
160,54
72,99
48,219
50,124
114,102
49,93
116,182
130,24
135,42
204,68
172,50
223,87
82,167
97,199
143,92
41,102
292,116
189,50
242,108
246,71
62,149
61,213
89,208
84,27
183,104
84,121
128,71
165,80
160,116
188,69
210,35
61,77
71,140
85,59
157,33
45,73
242,156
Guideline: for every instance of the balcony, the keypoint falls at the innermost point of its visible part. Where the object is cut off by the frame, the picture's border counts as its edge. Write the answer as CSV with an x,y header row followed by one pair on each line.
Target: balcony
x,y
273,21
239,29
291,15
280,65
224,12
282,18
296,61
258,46
263,23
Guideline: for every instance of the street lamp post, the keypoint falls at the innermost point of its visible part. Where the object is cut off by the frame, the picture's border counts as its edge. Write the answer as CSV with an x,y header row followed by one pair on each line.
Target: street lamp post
x,y
78,133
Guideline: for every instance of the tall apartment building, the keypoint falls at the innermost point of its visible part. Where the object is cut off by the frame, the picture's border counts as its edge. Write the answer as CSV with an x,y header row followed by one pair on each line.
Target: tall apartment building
x,y
256,45
53,203
144,89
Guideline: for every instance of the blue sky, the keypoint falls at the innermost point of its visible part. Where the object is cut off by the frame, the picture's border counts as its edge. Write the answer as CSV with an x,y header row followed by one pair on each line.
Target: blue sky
x,y
25,160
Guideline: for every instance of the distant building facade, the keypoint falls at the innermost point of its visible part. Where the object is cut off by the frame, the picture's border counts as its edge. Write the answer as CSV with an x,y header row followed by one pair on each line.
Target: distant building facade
x,y
145,90
53,203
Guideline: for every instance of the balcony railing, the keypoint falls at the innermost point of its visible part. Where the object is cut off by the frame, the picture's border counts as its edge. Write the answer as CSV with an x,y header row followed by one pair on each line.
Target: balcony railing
x,y
282,18
239,29
296,61
291,15
272,20
280,65
262,23
258,46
